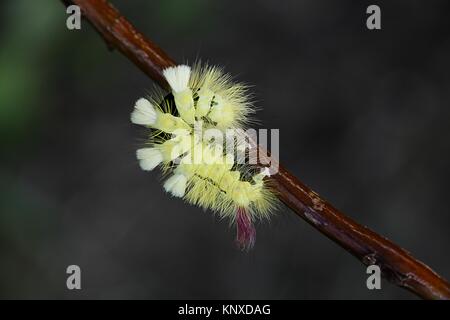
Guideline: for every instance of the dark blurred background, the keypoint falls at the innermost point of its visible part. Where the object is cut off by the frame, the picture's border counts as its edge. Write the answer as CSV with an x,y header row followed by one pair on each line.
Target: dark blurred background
x,y
363,118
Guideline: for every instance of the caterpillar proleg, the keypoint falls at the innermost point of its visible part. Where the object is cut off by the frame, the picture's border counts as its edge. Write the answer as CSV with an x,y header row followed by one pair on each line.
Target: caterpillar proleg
x,y
202,170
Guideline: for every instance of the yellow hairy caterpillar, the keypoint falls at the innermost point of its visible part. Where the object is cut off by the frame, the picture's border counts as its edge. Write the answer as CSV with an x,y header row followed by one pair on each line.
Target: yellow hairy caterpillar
x,y
202,168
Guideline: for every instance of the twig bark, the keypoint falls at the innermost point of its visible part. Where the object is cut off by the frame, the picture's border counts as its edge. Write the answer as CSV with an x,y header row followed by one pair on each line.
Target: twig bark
x,y
397,265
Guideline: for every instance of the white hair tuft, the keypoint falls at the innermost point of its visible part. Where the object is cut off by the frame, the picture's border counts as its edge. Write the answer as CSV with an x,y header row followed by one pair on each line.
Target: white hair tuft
x,y
149,158
178,77
144,113
176,185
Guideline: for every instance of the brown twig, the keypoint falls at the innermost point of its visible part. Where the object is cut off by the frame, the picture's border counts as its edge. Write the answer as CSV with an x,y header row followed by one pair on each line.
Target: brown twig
x,y
397,265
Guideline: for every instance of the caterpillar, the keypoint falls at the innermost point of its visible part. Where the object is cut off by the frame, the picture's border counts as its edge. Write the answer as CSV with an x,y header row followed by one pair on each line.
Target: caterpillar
x,y
202,170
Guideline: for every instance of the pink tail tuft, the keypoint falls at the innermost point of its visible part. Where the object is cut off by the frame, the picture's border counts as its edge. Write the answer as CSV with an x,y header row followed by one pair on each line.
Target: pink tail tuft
x,y
246,233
